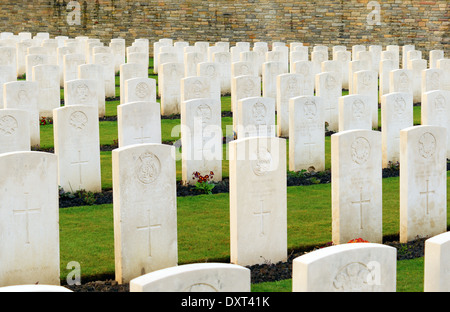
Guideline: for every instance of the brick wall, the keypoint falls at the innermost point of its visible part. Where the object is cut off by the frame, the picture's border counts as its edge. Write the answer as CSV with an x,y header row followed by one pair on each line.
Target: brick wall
x,y
422,23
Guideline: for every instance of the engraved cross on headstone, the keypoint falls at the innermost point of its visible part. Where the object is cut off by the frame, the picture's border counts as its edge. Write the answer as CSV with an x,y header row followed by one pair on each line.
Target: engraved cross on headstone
x,y
142,137
27,211
361,202
309,144
261,214
79,163
427,193
149,228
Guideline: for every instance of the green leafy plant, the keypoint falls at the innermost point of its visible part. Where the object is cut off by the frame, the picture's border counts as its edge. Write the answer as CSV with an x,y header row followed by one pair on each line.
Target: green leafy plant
x,y
87,197
204,183
46,121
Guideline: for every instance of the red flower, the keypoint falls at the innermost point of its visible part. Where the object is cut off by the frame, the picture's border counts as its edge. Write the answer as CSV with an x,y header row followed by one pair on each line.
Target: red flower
x,y
357,240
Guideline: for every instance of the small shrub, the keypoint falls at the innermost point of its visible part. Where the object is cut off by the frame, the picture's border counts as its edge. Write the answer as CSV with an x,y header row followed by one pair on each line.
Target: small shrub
x,y
203,182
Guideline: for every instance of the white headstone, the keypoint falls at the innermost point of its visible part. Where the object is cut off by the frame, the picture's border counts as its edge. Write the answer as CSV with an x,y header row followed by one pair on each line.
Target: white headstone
x,y
29,221
365,82
77,145
435,111
355,112
365,58
396,114
405,51
376,56
329,88
197,87
258,203
7,74
401,80
34,60
243,68
140,90
305,69
423,189
386,66
444,64
353,67
283,55
8,56
224,61
81,92
71,63
191,60
432,79
14,130
139,123
288,87
24,95
107,61
129,71
355,51
358,267
21,56
201,139
169,82
118,48
49,95
256,117
261,50
202,47
243,87
416,66
90,45
60,52
95,72
306,133
198,277
145,209
138,58
252,58
317,57
394,54
434,56
270,71
296,56
211,71
437,263
356,188
331,66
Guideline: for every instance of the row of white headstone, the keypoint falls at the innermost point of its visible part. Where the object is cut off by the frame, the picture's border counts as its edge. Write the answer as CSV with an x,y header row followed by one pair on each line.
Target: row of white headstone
x,y
86,70
145,210
139,122
241,61
358,110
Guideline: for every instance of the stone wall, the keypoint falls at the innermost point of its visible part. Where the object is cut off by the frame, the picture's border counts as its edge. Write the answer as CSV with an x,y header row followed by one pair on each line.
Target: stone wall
x,y
422,23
